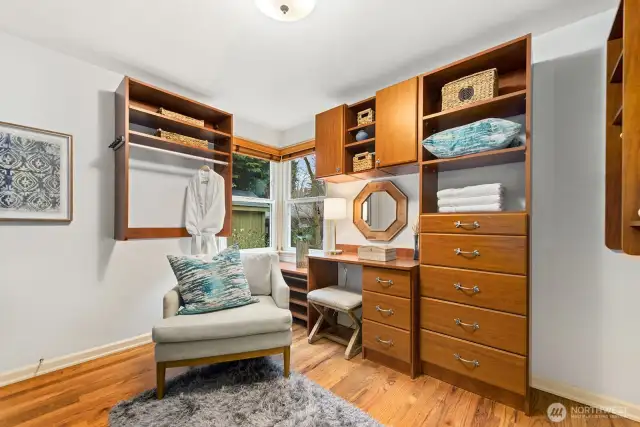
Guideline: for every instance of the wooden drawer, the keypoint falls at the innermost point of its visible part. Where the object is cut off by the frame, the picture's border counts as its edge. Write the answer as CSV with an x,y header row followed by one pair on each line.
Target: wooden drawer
x,y
387,309
503,223
388,340
501,330
502,292
496,367
386,281
502,254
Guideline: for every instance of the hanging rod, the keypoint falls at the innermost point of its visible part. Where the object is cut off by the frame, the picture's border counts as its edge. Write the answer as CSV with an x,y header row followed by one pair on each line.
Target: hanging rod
x,y
175,153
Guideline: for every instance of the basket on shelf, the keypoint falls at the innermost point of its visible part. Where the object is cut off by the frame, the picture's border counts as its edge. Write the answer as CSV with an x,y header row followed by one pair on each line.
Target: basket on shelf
x,y
366,117
181,139
363,161
180,117
470,89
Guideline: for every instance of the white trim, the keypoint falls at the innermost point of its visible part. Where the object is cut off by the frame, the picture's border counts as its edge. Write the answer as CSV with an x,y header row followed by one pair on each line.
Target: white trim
x,y
62,362
586,397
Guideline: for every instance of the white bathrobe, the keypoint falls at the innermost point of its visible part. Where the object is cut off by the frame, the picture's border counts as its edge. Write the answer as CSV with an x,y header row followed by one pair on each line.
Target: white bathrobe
x,y
204,211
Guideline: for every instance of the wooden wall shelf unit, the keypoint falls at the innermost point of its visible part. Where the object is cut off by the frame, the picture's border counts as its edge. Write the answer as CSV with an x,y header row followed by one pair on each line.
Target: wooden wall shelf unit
x,y
623,131
296,278
136,105
448,348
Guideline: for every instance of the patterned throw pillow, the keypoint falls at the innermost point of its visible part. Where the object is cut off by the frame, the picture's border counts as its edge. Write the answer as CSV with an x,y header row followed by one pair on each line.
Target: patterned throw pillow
x,y
484,135
214,285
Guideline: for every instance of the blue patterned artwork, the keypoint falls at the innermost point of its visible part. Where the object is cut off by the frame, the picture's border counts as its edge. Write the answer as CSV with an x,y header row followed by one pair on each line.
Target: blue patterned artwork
x,y
32,169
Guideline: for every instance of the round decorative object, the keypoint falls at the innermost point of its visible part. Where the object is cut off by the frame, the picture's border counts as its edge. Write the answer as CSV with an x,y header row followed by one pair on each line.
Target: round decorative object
x,y
466,93
362,135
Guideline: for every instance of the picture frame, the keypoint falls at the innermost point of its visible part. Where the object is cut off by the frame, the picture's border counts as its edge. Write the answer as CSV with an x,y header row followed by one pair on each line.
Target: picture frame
x,y
36,174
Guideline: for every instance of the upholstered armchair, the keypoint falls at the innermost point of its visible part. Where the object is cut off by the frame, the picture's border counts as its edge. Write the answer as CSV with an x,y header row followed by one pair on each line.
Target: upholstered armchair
x,y
253,330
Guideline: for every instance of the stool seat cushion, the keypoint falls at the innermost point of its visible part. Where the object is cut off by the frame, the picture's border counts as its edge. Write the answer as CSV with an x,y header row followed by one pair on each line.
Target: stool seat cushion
x,y
335,297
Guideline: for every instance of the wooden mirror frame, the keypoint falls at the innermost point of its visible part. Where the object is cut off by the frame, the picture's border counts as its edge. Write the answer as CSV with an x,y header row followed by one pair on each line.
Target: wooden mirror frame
x,y
401,211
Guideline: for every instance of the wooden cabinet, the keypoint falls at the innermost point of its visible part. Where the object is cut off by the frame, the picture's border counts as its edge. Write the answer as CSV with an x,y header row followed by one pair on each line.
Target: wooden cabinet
x,y
397,124
330,134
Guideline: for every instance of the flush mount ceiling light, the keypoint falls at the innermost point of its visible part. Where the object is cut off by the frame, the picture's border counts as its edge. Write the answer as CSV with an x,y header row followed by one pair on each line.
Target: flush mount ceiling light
x,y
286,10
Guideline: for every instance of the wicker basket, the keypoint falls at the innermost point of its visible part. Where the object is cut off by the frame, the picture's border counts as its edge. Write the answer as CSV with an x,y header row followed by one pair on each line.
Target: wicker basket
x,y
181,139
366,117
363,161
180,117
470,89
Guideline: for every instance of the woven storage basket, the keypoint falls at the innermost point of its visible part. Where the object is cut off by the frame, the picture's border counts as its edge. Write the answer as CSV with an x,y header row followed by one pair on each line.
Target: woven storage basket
x,y
470,89
363,161
181,139
180,117
366,116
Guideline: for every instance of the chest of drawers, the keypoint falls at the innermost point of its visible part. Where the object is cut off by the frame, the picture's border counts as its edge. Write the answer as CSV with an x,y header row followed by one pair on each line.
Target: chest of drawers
x,y
474,326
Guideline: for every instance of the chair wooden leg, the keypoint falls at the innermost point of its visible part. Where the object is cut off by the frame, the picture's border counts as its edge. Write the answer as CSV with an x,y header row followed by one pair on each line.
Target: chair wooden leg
x,y
355,343
314,336
287,361
161,368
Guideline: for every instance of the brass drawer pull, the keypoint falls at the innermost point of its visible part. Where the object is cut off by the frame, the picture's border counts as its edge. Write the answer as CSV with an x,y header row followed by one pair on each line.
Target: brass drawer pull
x,y
381,310
475,325
474,362
381,341
472,226
459,287
383,282
474,253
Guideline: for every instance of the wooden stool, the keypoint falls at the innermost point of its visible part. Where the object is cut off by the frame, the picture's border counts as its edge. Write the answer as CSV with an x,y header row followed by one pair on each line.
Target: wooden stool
x,y
328,302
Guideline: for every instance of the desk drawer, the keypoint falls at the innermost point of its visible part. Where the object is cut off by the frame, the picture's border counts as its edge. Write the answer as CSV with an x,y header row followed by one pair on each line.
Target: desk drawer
x,y
387,309
502,254
504,292
386,281
391,341
493,328
496,367
502,224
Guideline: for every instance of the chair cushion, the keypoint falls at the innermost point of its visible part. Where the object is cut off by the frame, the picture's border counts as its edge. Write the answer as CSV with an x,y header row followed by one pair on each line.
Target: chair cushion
x,y
257,269
335,297
261,318
211,286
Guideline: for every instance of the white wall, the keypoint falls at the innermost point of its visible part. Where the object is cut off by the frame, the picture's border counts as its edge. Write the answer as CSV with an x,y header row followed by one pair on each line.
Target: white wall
x,y
68,288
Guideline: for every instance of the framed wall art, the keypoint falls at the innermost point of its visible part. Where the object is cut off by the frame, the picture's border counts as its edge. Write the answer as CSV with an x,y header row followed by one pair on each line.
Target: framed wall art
x,y
36,174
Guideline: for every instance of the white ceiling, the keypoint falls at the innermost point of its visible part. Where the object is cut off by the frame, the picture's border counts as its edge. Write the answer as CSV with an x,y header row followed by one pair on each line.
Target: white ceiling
x,y
274,73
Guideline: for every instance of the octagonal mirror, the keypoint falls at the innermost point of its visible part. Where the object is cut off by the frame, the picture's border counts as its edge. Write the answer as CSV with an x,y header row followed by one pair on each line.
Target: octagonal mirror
x,y
380,211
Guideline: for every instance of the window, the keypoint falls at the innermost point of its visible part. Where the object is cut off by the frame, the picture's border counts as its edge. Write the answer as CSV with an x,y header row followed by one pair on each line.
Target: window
x,y
304,203
253,202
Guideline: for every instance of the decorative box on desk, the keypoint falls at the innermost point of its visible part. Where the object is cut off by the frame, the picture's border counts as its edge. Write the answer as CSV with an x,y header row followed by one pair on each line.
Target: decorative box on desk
x,y
377,253
389,307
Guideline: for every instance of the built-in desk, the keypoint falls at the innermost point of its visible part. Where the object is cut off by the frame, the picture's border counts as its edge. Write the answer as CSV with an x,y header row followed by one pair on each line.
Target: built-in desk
x,y
390,307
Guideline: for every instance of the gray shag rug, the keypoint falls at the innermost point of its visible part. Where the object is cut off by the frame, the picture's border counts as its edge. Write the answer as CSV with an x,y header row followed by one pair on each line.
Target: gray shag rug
x,y
245,393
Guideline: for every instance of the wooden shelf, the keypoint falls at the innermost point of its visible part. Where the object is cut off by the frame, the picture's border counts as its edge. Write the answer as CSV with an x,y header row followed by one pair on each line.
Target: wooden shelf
x,y
634,223
144,117
370,174
361,127
369,141
471,213
616,75
512,104
299,316
165,144
298,290
617,119
298,302
489,158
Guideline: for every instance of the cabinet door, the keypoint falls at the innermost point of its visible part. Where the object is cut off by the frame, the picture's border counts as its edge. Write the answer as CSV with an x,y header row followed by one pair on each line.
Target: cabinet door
x,y
397,124
330,134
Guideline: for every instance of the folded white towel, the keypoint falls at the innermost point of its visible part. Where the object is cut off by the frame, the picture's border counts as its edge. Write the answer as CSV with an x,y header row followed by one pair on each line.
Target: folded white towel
x,y
477,208
470,201
472,191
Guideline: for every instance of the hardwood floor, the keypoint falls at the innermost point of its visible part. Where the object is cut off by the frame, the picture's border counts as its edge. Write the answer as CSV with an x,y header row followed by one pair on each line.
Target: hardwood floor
x,y
82,395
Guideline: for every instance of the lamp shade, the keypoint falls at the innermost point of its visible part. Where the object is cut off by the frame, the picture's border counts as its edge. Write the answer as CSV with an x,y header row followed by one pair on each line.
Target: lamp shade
x,y
335,208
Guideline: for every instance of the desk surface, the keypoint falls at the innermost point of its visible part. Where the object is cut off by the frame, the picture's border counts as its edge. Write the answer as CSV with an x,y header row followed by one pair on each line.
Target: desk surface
x,y
351,258
290,267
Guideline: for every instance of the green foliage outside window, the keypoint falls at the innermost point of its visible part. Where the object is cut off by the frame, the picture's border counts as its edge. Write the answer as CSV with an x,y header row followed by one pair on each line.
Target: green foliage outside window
x,y
251,177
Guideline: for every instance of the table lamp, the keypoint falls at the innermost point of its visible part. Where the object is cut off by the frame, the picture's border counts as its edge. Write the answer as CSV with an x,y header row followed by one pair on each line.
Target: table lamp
x,y
334,208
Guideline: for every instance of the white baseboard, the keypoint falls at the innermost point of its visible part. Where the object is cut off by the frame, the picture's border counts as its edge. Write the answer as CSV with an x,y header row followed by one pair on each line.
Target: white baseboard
x,y
58,363
632,411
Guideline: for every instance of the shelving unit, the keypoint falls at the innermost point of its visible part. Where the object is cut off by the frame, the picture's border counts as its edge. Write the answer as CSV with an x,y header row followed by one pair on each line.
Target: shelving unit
x,y
622,199
353,147
296,278
137,120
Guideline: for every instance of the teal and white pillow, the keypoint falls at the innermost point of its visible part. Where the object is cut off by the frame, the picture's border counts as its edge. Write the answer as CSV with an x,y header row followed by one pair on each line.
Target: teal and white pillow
x,y
214,285
484,135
